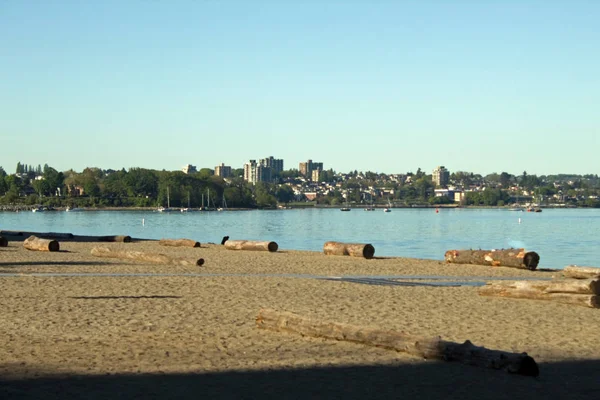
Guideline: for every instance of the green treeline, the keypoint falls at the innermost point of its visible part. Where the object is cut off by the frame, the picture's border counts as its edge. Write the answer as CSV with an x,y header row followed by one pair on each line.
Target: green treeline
x,y
139,187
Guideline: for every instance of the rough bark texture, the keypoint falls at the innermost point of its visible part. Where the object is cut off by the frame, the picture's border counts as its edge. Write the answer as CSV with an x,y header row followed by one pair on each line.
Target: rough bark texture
x,y
576,294
349,249
179,243
435,348
117,238
251,245
3,241
139,256
516,258
573,271
38,244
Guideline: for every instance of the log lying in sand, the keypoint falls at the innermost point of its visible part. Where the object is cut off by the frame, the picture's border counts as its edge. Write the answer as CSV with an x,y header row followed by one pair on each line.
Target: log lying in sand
x,y
251,245
38,244
139,256
577,292
117,238
516,258
3,241
434,348
179,242
573,271
349,249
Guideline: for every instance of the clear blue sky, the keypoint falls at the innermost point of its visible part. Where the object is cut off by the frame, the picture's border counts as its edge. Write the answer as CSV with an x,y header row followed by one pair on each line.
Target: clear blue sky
x,y
387,86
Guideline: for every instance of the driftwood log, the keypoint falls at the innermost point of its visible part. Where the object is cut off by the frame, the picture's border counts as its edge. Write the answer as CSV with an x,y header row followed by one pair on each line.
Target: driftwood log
x,y
349,249
433,348
139,256
39,244
115,238
516,258
567,291
3,241
574,271
251,245
179,242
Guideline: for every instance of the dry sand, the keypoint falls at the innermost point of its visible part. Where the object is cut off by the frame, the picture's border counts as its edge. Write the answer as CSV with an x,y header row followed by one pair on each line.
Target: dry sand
x,y
195,336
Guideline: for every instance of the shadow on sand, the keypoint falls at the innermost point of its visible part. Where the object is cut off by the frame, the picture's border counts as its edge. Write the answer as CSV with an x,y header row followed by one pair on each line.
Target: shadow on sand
x,y
429,380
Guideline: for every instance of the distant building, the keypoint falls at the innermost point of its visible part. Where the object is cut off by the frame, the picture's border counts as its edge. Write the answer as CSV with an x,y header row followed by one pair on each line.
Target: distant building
x,y
306,168
275,164
223,171
250,171
315,174
189,169
441,176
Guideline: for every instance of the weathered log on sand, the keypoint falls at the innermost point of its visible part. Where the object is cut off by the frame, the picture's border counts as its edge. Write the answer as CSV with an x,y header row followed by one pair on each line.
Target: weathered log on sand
x,y
516,258
434,348
251,245
349,249
38,244
54,235
573,271
139,256
575,286
3,241
117,238
524,290
179,242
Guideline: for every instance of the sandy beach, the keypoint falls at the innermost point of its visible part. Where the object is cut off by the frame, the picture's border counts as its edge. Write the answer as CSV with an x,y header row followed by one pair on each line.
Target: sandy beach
x,y
189,332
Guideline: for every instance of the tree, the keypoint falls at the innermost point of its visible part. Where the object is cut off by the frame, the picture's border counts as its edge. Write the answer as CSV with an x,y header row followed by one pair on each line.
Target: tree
x,y
505,179
284,194
263,197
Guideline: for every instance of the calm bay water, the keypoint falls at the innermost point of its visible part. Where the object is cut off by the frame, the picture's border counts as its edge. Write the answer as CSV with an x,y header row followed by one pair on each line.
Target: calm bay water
x,y
561,237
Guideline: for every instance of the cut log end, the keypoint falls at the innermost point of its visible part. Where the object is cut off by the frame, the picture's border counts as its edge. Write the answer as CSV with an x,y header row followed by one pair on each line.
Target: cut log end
x,y
272,246
531,260
369,251
200,262
527,367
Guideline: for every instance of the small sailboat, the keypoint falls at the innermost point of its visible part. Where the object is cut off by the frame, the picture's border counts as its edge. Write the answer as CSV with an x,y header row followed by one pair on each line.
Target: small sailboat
x,y
168,208
186,209
389,207
223,205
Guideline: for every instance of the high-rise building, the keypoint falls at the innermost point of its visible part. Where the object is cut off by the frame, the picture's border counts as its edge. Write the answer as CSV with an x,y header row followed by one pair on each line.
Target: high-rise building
x,y
306,168
223,171
250,171
440,176
189,169
315,174
275,164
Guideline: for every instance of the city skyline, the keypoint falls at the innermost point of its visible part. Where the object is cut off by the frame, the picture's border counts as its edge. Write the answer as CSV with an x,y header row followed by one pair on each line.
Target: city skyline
x,y
387,87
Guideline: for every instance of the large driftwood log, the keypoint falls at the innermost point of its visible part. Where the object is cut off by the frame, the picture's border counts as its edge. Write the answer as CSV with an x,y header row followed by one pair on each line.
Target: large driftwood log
x,y
573,271
577,292
251,245
115,238
139,256
38,244
3,241
434,348
349,249
179,242
575,286
517,258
